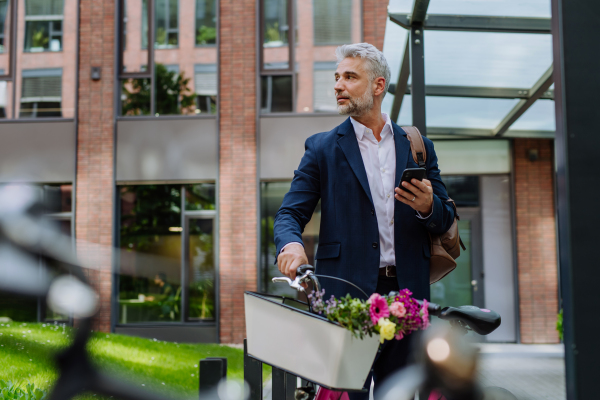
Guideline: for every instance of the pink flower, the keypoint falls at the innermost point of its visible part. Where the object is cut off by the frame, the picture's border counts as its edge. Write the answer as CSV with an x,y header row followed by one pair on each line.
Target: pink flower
x,y
399,335
397,309
379,308
425,314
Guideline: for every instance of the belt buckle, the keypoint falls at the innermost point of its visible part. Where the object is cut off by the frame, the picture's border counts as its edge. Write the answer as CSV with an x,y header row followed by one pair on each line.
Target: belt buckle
x,y
387,271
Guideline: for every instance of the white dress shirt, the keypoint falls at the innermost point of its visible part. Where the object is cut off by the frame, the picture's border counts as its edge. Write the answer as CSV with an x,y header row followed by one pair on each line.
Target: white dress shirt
x,y
379,159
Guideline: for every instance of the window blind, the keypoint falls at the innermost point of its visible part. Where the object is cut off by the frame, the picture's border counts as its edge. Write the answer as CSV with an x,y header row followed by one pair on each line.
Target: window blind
x,y
323,82
332,21
42,88
205,79
44,7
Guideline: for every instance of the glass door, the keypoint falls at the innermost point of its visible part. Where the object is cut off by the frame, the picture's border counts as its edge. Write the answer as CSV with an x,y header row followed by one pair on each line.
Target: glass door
x,y
200,271
464,285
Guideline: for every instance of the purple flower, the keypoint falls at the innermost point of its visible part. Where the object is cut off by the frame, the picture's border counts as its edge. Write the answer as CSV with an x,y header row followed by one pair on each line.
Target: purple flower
x,y
379,308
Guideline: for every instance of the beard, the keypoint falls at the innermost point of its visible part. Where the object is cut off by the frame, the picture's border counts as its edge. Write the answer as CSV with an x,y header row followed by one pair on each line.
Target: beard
x,y
358,105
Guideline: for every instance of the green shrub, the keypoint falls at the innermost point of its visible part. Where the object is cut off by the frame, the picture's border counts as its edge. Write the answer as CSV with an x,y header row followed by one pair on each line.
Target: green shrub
x,y
10,391
559,324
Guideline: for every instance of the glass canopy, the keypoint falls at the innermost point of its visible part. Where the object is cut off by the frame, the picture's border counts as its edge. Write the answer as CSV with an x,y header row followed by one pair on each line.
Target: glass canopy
x,y
461,64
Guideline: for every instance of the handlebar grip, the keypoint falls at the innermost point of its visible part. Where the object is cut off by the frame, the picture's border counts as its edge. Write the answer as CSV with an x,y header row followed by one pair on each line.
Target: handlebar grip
x,y
303,269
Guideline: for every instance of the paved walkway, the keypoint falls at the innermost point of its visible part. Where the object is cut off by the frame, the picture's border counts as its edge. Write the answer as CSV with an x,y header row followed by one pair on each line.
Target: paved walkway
x,y
530,372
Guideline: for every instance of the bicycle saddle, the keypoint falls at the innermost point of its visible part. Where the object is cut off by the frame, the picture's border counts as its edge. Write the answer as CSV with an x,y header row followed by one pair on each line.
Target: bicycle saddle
x,y
480,320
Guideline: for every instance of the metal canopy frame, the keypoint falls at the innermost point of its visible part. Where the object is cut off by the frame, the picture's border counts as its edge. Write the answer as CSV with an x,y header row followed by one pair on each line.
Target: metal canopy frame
x,y
413,64
476,23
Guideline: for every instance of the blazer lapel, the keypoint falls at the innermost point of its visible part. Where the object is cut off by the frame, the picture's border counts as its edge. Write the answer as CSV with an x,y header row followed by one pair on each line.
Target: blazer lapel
x,y
349,145
402,151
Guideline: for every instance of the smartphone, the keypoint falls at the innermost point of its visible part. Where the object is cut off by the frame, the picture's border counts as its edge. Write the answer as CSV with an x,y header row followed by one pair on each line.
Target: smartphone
x,y
412,173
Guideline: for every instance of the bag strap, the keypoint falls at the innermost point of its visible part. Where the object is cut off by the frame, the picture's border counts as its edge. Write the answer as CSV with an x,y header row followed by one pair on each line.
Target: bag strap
x,y
458,219
416,145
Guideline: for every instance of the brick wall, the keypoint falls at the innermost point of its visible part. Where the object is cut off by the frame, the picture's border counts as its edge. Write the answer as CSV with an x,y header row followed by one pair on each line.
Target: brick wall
x,y
237,165
374,19
94,205
536,241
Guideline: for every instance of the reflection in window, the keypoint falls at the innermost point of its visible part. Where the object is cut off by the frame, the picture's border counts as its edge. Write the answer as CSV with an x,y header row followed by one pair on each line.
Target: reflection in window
x,y
275,29
323,83
150,236
206,22
173,93
41,93
332,22
153,229
201,264
463,189
3,8
166,24
271,197
200,197
43,25
276,93
205,82
56,200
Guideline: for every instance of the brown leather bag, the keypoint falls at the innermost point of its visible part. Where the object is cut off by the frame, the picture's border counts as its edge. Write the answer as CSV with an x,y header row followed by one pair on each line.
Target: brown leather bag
x,y
445,248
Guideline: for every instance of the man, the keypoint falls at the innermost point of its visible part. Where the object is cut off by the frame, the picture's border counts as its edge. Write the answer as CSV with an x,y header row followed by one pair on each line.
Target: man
x,y
366,236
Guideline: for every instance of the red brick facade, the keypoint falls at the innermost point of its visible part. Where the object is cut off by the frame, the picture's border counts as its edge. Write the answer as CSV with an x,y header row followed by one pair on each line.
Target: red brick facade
x,y
95,146
536,240
238,217
374,20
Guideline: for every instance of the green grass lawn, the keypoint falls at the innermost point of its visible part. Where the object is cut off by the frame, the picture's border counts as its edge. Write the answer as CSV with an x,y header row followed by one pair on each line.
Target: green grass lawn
x,y
27,349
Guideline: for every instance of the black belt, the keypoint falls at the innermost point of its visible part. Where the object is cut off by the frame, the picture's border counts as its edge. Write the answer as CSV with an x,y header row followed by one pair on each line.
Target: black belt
x,y
389,271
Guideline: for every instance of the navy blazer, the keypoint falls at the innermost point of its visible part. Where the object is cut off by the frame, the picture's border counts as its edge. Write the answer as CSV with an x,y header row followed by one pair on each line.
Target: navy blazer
x,y
332,171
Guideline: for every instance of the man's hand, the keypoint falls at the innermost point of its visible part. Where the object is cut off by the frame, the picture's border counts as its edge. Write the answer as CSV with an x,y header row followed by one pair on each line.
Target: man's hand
x,y
290,259
421,200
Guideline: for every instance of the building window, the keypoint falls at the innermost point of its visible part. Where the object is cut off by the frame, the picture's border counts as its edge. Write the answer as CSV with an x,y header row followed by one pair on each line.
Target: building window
x,y
166,24
206,22
276,94
299,77
57,209
173,93
3,8
41,93
323,83
271,197
275,27
167,263
205,82
332,22
43,25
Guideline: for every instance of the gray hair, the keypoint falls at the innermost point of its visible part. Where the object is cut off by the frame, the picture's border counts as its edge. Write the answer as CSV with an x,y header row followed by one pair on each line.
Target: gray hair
x,y
377,64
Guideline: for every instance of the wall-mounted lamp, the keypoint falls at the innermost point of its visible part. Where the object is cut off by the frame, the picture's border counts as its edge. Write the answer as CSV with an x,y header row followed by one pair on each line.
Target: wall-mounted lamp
x,y
95,75
533,154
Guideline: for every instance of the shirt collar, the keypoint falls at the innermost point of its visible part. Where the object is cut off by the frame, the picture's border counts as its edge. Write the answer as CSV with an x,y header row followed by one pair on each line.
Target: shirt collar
x,y
360,129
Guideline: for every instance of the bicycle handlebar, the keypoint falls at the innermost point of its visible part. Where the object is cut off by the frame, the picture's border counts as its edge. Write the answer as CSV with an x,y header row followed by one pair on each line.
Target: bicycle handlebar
x,y
480,320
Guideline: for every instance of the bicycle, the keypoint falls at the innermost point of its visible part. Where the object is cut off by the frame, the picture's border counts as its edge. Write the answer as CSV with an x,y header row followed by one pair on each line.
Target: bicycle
x,y
427,375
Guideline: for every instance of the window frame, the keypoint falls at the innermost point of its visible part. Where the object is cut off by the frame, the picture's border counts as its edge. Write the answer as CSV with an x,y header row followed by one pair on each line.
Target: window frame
x,y
216,2
185,217
49,19
39,73
149,73
290,70
12,19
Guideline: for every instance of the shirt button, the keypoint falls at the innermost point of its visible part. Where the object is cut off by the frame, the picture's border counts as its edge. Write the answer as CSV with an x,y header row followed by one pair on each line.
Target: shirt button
x,y
388,196
392,222
374,245
372,211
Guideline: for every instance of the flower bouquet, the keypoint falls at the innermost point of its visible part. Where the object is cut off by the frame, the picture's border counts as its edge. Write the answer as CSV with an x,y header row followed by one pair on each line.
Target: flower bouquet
x,y
392,316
